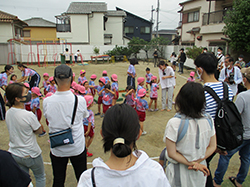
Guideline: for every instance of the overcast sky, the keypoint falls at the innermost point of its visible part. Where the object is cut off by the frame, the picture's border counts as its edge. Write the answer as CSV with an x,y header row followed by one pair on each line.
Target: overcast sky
x,y
48,9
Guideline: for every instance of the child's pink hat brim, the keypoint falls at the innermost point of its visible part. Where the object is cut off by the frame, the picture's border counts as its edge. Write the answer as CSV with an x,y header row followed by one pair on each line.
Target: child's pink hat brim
x,y
36,91
140,80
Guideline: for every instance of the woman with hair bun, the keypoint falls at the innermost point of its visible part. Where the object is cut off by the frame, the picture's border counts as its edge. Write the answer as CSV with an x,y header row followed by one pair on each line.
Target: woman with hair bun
x,y
126,165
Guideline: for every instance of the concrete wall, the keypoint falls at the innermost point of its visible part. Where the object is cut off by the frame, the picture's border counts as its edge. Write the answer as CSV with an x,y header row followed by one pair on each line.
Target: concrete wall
x,y
114,26
6,32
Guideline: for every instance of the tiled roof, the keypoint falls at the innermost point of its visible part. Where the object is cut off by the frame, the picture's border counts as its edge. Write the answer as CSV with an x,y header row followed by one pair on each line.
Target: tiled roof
x,y
115,13
39,22
5,17
86,7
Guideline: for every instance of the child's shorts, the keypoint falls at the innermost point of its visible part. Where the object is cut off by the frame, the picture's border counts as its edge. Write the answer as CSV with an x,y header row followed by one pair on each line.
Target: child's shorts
x,y
38,114
106,107
91,132
99,100
154,99
45,92
93,92
147,82
27,107
141,115
116,95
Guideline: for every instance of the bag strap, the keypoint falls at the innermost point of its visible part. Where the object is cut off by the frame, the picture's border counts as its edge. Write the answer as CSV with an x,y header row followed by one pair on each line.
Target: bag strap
x,y
225,91
93,177
74,111
183,127
213,93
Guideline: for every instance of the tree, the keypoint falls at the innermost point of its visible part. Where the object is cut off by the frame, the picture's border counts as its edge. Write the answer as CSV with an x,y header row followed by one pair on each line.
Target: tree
x,y
237,25
135,45
193,52
159,44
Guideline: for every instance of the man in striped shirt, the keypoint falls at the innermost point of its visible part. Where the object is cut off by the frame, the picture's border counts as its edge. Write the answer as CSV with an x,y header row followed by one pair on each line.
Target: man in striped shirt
x,y
206,65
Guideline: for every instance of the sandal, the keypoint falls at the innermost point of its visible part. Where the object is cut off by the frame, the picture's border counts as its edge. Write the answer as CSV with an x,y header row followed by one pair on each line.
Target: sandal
x,y
232,180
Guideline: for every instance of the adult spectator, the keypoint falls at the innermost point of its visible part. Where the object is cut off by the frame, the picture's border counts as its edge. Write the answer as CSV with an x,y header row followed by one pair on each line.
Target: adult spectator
x,y
11,174
231,75
204,50
221,60
126,166
132,73
166,75
58,110
23,127
206,65
240,63
182,58
8,70
33,77
243,104
155,54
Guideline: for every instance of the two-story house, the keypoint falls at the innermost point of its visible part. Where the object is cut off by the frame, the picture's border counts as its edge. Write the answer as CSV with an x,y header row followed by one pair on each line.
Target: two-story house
x,y
90,23
202,22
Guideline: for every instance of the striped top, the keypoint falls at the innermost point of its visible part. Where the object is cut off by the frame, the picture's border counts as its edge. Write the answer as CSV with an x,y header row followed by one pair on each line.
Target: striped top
x,y
211,105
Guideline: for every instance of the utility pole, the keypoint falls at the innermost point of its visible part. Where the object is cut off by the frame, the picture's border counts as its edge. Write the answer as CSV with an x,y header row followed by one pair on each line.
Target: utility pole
x,y
157,22
152,19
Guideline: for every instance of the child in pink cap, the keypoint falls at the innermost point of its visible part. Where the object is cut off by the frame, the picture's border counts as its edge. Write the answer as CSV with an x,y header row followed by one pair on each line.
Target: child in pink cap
x,y
191,77
140,82
52,86
99,88
129,96
45,83
81,90
27,105
107,98
82,77
35,106
105,76
114,88
92,85
89,124
153,93
87,89
141,105
148,77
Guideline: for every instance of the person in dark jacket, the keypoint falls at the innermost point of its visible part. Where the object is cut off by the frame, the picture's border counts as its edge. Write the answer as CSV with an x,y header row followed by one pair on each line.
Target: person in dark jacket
x,y
182,58
155,54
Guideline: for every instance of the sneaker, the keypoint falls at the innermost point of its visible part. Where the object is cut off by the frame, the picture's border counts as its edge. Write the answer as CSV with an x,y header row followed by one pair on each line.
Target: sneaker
x,y
150,110
97,114
143,133
42,134
156,109
89,154
102,115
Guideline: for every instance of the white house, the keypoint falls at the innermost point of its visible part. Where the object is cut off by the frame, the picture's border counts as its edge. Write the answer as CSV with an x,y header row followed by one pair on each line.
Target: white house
x,y
202,22
91,23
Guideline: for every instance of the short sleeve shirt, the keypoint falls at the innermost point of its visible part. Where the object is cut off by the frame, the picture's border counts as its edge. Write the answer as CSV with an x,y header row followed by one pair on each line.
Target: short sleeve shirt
x,y
88,91
153,93
28,72
3,79
107,98
51,88
114,86
131,69
141,104
138,88
89,119
99,88
129,100
81,79
148,77
45,84
35,103
91,83
106,79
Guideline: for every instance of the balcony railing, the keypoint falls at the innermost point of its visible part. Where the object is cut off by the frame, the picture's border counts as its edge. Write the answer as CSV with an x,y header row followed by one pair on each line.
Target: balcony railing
x,y
213,17
63,28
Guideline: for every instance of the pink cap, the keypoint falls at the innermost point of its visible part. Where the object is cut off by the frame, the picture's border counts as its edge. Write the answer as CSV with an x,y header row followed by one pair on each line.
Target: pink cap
x,y
48,94
142,92
36,91
51,79
73,84
73,91
82,71
153,78
74,74
192,73
93,76
114,77
83,82
104,72
26,85
81,89
140,80
45,74
89,99
102,80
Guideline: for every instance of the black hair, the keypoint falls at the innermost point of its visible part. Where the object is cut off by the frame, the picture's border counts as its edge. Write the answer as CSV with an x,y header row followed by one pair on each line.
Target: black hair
x,y
21,65
220,48
12,91
84,83
66,49
230,59
241,56
104,74
182,49
133,61
147,69
228,54
13,75
162,63
102,82
204,48
7,68
120,121
107,86
187,104
173,54
129,88
208,62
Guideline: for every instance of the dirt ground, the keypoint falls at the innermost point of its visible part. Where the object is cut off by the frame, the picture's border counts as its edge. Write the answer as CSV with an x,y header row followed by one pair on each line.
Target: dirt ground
x,y
155,122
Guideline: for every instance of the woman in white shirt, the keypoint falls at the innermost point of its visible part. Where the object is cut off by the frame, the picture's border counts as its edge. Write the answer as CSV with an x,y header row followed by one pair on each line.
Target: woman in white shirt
x,y
23,127
120,130
190,138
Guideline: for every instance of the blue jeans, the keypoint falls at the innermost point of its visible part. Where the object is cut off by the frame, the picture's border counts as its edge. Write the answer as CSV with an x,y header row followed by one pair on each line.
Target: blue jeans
x,y
36,165
244,152
181,64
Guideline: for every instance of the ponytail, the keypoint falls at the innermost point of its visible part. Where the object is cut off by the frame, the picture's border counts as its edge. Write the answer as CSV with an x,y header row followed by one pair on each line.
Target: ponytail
x,y
7,68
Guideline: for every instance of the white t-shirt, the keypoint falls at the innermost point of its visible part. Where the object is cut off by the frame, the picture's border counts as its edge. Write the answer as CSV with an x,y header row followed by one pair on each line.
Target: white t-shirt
x,y
21,124
58,110
169,82
145,172
67,55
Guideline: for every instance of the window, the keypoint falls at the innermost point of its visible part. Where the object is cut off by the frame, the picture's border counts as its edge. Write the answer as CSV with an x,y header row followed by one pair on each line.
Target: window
x,y
26,33
129,30
145,30
193,16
